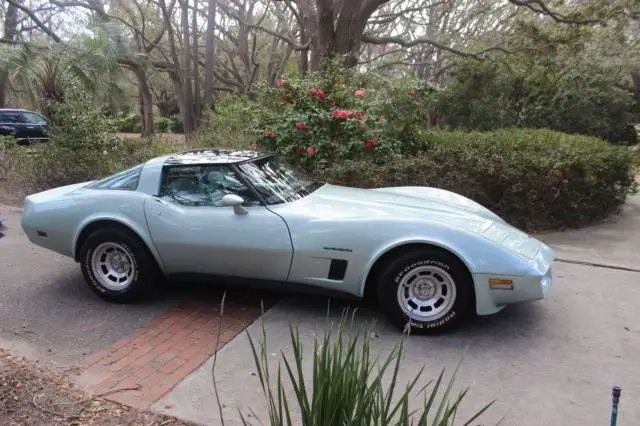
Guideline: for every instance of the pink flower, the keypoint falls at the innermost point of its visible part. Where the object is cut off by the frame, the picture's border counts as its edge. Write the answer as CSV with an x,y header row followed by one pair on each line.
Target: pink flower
x,y
371,144
359,93
411,92
300,125
311,151
381,118
340,113
357,115
268,133
300,149
280,83
319,94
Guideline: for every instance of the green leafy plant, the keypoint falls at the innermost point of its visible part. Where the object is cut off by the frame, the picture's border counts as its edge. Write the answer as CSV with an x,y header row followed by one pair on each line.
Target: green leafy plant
x,y
343,115
129,124
348,385
490,95
176,124
534,179
161,124
83,147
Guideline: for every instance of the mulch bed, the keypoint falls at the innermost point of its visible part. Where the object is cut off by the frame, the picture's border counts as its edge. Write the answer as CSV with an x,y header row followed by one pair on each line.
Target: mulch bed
x,y
33,395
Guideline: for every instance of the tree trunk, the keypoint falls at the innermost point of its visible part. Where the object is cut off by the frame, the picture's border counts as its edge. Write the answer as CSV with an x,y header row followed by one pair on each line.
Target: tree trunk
x,y
209,60
303,63
146,102
10,32
196,66
342,36
187,75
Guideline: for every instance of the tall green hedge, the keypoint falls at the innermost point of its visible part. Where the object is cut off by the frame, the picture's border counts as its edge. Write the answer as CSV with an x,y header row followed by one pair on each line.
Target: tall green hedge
x,y
535,179
492,94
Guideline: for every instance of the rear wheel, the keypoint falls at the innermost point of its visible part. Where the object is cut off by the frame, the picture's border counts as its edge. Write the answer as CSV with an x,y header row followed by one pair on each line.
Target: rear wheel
x,y
426,290
117,266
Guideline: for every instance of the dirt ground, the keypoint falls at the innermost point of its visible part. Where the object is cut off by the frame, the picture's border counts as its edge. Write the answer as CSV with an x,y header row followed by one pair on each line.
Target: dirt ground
x,y
34,395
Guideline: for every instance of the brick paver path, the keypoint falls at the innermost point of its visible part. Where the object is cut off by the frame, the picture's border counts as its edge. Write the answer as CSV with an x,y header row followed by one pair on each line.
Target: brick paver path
x,y
159,355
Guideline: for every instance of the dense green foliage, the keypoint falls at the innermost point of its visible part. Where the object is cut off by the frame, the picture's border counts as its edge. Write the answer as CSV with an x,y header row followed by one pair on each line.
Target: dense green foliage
x,y
349,386
341,115
493,94
83,146
133,124
535,179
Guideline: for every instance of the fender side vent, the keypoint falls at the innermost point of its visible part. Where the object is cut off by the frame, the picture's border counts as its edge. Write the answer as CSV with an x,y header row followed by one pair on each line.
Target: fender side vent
x,y
337,269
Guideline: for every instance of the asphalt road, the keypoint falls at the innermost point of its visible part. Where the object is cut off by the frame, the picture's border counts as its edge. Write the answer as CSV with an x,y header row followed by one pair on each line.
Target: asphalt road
x,y
48,312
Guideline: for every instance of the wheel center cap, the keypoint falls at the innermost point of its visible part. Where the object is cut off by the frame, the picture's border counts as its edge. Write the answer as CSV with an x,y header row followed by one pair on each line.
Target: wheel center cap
x,y
424,289
119,263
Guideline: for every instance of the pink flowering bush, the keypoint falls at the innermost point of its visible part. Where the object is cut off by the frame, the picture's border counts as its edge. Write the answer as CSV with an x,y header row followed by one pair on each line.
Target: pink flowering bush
x,y
343,115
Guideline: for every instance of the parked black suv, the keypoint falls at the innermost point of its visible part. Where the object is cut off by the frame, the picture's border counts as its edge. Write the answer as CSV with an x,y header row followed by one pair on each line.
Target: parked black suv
x,y
26,126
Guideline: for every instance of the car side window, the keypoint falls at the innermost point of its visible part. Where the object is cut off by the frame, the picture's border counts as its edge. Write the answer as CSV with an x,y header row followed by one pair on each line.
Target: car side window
x,y
203,185
125,180
33,118
10,117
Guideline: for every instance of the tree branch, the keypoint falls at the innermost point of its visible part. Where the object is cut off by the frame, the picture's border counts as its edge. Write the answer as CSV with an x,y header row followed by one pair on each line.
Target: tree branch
x,y
36,20
422,40
282,37
543,9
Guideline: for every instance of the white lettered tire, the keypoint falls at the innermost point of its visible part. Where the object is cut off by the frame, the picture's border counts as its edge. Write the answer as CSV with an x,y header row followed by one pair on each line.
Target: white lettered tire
x,y
426,291
117,265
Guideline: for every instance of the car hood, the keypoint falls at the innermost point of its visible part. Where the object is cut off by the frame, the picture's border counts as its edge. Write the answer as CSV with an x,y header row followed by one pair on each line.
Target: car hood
x,y
331,202
398,203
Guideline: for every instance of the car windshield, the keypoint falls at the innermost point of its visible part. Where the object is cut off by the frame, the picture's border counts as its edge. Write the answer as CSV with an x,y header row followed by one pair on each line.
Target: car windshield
x,y
277,182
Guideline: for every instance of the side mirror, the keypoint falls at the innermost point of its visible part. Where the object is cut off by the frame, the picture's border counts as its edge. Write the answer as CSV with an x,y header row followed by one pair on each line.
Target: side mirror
x,y
235,201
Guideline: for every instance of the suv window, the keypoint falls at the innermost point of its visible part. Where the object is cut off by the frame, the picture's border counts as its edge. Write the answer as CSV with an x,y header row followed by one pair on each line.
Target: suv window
x,y
33,118
203,185
125,180
10,117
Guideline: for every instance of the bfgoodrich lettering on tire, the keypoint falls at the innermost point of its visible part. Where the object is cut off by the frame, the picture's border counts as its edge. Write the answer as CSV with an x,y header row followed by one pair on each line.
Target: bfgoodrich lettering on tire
x,y
428,290
117,266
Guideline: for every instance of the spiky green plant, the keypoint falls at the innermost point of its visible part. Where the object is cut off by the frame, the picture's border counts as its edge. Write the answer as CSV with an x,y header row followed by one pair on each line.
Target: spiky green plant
x,y
347,385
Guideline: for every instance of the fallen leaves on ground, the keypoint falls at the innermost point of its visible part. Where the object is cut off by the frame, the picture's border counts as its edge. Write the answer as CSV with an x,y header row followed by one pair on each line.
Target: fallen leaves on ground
x,y
33,395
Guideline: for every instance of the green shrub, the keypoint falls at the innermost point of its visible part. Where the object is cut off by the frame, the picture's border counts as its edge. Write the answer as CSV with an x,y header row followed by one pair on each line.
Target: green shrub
x,y
129,124
349,386
83,147
534,179
343,115
7,146
161,124
494,94
176,124
233,125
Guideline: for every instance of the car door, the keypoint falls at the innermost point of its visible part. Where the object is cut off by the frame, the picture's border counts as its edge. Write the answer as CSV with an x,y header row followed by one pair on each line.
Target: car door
x,y
194,233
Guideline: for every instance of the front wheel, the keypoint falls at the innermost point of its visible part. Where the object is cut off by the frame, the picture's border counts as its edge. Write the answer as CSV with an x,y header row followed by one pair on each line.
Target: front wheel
x,y
426,291
117,266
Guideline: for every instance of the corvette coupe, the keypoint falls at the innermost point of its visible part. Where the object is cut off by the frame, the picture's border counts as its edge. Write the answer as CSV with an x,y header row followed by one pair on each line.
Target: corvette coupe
x,y
428,255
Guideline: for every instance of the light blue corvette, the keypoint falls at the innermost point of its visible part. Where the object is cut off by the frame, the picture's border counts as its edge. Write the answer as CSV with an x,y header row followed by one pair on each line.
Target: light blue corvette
x,y
429,256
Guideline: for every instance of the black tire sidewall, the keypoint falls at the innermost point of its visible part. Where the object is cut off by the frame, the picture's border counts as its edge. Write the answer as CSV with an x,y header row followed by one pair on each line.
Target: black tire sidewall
x,y
142,263
398,267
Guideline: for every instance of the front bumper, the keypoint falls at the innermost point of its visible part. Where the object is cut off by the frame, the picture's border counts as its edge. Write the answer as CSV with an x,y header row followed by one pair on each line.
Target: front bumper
x,y
492,298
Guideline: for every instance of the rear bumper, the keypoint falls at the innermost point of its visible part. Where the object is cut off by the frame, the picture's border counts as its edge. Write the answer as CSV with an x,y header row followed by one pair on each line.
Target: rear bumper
x,y
492,297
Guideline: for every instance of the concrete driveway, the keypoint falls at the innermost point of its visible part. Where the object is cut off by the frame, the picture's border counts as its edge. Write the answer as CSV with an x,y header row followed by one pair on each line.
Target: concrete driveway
x,y
551,362
547,363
